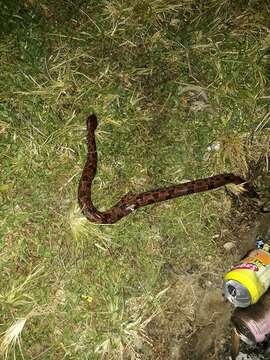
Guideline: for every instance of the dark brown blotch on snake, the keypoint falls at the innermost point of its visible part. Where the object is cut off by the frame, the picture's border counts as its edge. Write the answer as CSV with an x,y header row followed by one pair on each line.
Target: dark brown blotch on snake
x,y
130,202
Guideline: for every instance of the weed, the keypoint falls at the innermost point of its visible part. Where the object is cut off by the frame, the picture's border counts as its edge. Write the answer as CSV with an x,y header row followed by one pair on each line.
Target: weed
x,y
12,337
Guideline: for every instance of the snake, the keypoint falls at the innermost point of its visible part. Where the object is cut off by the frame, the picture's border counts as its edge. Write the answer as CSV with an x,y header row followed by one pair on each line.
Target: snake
x,y
132,201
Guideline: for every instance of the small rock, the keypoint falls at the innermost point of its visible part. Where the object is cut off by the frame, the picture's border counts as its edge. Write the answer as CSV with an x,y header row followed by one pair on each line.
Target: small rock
x,y
214,146
228,246
243,356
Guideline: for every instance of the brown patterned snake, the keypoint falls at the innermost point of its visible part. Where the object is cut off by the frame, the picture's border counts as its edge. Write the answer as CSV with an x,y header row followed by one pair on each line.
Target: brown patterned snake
x,y
130,202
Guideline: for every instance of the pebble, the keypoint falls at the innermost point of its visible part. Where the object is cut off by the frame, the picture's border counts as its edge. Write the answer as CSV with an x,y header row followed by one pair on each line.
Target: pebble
x,y
242,356
228,246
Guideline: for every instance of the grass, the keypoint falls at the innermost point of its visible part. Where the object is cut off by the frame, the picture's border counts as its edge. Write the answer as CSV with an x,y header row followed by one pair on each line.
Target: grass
x,y
167,79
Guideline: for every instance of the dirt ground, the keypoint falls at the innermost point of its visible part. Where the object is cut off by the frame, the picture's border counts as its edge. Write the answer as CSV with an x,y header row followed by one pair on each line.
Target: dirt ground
x,y
196,321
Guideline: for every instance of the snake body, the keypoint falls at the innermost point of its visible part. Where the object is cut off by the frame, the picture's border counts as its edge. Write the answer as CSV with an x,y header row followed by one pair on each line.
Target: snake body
x,y
132,201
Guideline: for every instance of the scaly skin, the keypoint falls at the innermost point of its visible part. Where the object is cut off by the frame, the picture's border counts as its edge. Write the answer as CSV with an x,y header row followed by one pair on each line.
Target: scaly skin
x,y
130,202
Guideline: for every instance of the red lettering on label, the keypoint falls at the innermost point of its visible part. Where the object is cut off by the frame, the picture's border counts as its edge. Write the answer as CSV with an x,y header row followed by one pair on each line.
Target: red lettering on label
x,y
248,266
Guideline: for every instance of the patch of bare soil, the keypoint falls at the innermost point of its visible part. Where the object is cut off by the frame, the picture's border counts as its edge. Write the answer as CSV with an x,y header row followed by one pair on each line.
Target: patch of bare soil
x,y
195,323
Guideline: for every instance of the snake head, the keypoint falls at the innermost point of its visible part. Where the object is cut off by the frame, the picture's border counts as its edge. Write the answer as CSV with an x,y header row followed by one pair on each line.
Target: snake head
x,y
91,122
